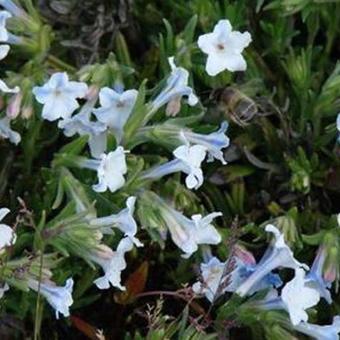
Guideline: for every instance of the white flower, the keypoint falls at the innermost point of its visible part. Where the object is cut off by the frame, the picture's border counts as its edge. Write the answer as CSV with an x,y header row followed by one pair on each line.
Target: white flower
x,y
191,158
112,262
297,296
188,234
3,290
213,142
211,273
60,298
115,109
82,125
277,255
188,160
327,332
111,170
59,95
176,88
224,48
124,221
7,235
7,133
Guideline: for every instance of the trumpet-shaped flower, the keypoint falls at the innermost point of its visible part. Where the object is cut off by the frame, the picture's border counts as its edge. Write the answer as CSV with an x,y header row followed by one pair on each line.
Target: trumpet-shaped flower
x,y
112,262
176,88
242,265
315,278
115,109
59,96
60,298
124,221
111,170
224,48
3,289
326,332
213,142
277,255
297,296
188,160
7,133
82,125
188,234
7,234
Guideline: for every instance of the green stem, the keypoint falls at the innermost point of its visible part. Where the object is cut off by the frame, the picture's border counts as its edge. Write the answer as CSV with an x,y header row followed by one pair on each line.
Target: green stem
x,y
59,64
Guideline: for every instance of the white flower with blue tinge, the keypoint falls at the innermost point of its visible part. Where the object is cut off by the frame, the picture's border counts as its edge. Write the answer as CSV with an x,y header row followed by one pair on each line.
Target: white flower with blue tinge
x,y
224,48
188,160
297,296
7,234
213,142
112,263
111,170
212,277
60,298
124,221
189,234
115,109
7,133
59,96
242,265
326,332
82,125
277,255
176,88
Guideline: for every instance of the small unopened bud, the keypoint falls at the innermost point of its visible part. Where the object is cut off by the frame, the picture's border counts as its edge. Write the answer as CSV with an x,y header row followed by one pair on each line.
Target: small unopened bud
x,y
13,108
27,112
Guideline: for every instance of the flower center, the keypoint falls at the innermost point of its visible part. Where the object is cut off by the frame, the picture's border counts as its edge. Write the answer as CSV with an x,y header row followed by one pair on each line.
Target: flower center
x,y
220,47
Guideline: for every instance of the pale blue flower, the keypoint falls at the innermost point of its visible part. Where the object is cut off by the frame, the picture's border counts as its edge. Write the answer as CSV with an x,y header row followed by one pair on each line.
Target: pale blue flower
x,y
58,96
7,133
7,234
115,109
224,48
176,88
213,142
60,298
187,233
188,160
326,332
12,7
242,265
82,125
296,297
124,221
277,255
112,263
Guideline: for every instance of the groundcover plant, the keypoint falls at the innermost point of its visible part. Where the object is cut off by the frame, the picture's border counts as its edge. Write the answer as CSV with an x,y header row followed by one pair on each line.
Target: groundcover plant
x,y
169,169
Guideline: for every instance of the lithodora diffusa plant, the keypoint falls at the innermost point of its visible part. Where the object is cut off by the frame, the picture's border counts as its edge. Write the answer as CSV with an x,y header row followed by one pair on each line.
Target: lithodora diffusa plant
x,y
169,169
